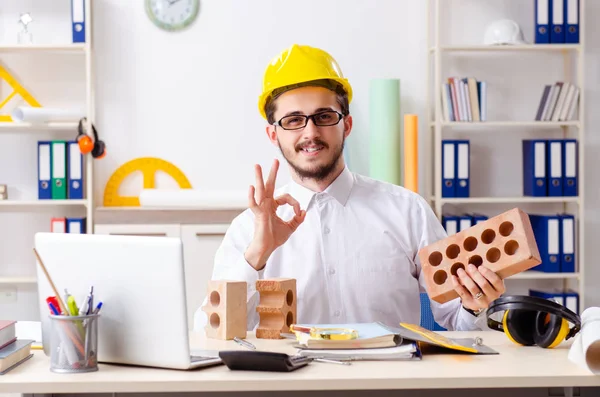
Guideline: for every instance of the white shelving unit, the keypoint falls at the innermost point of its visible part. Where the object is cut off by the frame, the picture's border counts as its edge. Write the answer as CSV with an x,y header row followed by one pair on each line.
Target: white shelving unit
x,y
69,129
438,127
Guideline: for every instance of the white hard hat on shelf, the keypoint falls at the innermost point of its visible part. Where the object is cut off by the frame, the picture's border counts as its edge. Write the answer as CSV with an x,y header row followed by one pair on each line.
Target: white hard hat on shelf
x,y
503,32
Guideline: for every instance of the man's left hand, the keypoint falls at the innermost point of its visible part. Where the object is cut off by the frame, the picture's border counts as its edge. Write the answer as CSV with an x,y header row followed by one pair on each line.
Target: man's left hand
x,y
478,287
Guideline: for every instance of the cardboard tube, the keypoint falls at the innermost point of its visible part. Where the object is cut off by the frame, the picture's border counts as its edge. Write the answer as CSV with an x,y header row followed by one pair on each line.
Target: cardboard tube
x,y
411,150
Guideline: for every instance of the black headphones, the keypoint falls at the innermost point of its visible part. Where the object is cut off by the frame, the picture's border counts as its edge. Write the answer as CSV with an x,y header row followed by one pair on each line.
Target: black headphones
x,y
531,320
96,147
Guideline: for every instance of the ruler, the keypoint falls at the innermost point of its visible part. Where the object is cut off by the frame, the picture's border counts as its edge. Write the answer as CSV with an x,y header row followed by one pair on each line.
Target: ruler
x,y
148,166
17,89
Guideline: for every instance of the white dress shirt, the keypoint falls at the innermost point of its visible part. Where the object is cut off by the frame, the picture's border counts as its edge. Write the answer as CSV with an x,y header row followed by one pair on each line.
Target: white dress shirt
x,y
354,257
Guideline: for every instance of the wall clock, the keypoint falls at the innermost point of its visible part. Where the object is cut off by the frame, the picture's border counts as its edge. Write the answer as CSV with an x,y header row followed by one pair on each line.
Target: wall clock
x,y
172,15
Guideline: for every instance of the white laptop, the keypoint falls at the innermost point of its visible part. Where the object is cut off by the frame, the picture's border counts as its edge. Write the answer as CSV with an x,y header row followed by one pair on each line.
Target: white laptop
x,y
141,283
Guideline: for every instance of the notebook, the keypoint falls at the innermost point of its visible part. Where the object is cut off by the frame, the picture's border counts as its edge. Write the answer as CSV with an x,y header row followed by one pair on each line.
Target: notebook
x,y
370,335
7,332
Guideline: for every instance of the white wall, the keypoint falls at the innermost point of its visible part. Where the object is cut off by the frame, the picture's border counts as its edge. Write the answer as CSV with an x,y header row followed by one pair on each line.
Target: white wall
x,y
190,97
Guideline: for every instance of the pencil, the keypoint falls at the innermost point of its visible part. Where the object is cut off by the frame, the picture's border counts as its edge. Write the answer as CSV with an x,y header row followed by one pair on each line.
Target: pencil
x,y
63,308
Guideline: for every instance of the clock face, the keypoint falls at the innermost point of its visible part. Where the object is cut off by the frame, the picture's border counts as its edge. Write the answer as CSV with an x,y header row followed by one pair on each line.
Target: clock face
x,y
172,14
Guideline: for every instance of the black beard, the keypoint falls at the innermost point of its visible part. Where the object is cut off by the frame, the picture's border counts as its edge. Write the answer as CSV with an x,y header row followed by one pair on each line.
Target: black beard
x,y
321,172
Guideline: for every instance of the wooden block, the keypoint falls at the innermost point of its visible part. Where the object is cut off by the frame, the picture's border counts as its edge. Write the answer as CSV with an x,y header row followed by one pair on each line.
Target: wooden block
x,y
276,307
504,243
226,309
3,192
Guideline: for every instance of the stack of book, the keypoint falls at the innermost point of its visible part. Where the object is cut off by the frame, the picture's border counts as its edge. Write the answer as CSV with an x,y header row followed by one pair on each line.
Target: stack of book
x,y
558,102
13,351
376,341
464,99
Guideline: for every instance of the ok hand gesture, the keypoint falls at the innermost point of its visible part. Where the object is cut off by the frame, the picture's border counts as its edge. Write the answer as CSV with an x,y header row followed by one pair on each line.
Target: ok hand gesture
x,y
270,231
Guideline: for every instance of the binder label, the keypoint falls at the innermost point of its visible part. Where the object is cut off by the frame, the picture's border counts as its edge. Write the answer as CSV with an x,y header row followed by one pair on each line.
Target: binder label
x,y
570,165
553,247
44,162
463,161
540,160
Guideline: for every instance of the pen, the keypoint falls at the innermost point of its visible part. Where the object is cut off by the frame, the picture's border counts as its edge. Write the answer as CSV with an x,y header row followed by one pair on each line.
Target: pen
x,y
97,309
326,360
244,343
53,309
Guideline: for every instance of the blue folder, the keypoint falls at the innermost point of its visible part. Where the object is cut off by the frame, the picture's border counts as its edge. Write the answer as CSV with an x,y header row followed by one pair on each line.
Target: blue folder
x,y
554,170
462,168
546,229
570,167
568,243
450,224
557,21
542,21
572,21
534,168
44,170
448,168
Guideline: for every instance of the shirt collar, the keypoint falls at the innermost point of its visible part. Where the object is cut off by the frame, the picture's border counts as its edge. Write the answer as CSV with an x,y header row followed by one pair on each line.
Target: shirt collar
x,y
339,189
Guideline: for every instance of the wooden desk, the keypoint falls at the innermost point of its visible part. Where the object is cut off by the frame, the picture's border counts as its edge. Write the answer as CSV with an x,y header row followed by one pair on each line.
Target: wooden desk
x,y
514,367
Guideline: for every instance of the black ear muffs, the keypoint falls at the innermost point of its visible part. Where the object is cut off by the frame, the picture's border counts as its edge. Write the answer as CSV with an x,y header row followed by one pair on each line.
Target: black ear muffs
x,y
530,320
519,326
95,146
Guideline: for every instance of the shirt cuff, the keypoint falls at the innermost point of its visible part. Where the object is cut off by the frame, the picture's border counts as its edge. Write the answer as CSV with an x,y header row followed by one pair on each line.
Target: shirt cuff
x,y
467,321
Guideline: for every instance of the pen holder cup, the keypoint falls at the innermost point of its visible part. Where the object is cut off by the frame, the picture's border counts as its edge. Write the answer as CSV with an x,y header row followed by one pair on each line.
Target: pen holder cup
x,y
74,343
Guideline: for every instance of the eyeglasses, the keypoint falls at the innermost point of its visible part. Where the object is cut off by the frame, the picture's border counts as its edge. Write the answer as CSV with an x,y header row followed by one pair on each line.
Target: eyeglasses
x,y
321,119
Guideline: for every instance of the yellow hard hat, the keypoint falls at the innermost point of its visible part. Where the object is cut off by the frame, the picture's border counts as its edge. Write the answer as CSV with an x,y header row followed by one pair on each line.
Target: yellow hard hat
x,y
300,64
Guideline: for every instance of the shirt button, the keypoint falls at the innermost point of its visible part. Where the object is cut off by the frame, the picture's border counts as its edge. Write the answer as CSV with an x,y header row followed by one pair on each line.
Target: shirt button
x,y
336,313
331,271
326,230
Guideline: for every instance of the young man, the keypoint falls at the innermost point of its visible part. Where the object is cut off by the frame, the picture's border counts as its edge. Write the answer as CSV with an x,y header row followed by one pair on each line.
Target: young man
x,y
350,242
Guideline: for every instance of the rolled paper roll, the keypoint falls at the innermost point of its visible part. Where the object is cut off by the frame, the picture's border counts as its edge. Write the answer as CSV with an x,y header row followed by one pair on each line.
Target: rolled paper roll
x,y
384,130
44,115
411,150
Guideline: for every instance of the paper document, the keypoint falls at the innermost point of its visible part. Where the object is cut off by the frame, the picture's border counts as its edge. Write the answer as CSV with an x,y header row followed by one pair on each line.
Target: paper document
x,y
585,350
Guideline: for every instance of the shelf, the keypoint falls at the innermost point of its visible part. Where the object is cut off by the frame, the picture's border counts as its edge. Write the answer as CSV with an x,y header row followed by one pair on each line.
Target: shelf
x,y
18,280
15,126
41,203
499,200
509,48
537,275
507,124
48,48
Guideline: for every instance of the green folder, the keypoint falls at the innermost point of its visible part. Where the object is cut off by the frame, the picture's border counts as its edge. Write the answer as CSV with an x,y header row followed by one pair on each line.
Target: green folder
x,y
59,170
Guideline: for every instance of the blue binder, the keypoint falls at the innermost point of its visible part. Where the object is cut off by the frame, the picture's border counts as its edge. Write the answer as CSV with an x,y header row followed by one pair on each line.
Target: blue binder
x,y
448,168
477,218
546,229
554,167
542,21
534,168
78,20
552,294
570,167
557,22
450,224
571,21
44,170
76,225
571,300
567,230
462,168
74,171
464,222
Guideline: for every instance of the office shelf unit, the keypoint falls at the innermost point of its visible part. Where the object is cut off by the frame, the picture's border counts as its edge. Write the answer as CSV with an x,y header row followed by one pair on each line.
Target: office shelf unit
x,y
439,127
62,130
